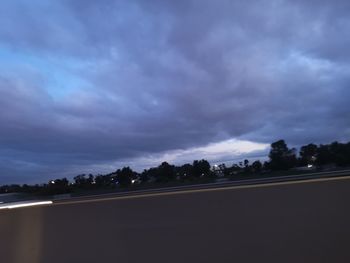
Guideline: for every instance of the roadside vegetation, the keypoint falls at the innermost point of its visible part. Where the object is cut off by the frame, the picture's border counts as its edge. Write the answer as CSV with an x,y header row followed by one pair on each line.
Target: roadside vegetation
x,y
282,161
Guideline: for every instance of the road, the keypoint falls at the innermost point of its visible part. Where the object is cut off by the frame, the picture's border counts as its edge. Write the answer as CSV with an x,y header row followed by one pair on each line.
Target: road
x,y
295,221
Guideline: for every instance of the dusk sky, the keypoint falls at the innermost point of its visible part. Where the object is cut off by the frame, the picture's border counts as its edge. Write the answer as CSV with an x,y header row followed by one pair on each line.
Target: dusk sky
x,y
91,86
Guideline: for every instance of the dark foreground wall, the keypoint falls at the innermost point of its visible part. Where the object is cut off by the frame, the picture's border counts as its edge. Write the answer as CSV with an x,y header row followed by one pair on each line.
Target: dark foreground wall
x,y
307,222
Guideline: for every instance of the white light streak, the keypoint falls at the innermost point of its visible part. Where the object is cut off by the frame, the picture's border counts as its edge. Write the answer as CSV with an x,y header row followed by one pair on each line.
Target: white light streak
x,y
28,204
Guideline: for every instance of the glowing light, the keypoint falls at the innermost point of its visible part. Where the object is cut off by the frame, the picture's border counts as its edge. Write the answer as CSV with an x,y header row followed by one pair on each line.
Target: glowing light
x,y
19,205
309,166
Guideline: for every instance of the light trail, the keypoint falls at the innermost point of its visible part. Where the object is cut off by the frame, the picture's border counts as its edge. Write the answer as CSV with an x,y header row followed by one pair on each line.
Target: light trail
x,y
26,204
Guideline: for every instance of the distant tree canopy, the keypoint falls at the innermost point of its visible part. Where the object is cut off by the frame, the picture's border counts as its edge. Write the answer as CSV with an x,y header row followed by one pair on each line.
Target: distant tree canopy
x,y
281,157
257,166
83,181
308,154
185,171
125,176
165,172
200,168
104,180
335,153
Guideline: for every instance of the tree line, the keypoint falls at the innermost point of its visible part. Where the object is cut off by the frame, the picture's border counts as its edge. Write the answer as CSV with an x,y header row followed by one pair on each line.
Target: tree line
x,y
280,158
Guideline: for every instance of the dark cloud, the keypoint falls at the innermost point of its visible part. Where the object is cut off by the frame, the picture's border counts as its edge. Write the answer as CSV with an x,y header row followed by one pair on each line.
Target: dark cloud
x,y
136,78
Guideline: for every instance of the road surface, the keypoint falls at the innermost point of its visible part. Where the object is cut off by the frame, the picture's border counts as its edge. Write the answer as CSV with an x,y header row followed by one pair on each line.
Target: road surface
x,y
304,221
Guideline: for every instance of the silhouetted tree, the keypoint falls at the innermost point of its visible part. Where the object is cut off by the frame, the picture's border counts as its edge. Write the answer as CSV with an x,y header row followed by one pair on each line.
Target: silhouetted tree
x,y
165,173
281,158
57,186
256,166
125,176
201,168
83,181
340,153
151,174
104,181
224,170
308,154
324,155
144,176
235,168
184,172
246,166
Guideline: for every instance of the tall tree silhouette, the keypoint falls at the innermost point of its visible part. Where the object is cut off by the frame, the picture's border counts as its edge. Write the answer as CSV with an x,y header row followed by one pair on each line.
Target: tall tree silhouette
x,y
308,154
281,158
201,168
124,176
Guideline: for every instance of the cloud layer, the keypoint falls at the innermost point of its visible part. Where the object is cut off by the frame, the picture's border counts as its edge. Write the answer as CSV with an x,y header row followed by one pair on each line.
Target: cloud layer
x,y
87,85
